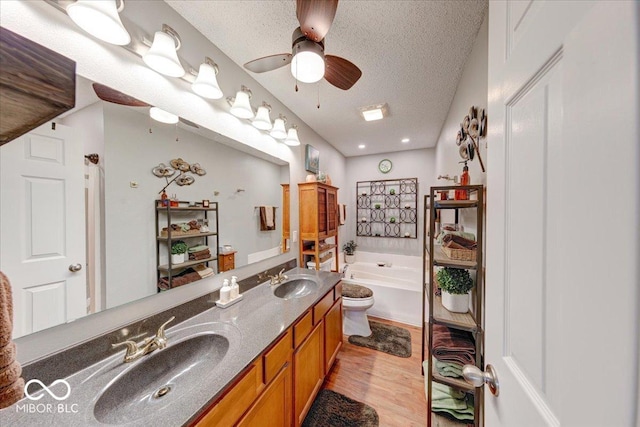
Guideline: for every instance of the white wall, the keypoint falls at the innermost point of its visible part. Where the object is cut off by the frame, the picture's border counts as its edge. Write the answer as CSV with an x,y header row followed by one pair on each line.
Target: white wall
x,y
120,69
472,90
406,164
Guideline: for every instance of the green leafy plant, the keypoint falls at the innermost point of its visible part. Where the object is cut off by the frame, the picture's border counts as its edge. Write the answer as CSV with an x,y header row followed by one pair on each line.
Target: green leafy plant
x,y
350,247
454,280
179,247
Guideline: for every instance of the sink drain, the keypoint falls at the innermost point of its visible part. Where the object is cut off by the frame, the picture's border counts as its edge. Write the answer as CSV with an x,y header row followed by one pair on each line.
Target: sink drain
x,y
161,392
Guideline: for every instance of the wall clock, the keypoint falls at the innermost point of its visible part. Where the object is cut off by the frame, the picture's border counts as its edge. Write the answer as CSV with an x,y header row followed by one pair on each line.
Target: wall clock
x,y
385,165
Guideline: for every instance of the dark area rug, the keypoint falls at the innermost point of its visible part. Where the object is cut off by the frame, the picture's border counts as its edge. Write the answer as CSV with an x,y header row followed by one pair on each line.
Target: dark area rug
x,y
331,409
386,338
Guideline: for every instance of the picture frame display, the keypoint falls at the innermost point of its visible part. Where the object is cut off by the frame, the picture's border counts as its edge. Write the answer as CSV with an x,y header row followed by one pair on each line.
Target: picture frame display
x,y
311,159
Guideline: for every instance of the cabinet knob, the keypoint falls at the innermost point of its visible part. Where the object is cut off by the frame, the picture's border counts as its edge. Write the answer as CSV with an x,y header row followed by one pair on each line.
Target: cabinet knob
x,y
474,376
75,267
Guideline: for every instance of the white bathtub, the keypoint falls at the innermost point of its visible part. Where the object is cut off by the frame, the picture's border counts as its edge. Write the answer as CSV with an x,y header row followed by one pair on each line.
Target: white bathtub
x,y
397,292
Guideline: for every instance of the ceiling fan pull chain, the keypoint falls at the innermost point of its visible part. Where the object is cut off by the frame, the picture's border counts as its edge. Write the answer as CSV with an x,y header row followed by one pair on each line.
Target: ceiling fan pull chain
x,y
296,75
150,122
318,94
177,139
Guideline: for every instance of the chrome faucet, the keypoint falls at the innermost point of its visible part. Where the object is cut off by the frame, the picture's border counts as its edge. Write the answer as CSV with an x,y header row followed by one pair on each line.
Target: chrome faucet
x,y
150,344
278,278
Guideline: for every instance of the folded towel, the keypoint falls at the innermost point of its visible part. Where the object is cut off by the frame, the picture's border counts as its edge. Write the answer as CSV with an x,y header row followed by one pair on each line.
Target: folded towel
x,y
267,218
203,270
202,256
447,369
206,252
197,248
459,240
448,401
11,385
177,281
450,345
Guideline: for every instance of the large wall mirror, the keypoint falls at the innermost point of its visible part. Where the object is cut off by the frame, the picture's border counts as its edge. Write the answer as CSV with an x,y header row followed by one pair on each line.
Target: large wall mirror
x,y
106,229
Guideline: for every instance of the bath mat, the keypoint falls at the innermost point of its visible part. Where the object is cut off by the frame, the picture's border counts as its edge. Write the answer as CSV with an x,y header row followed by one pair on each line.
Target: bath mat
x,y
337,410
386,338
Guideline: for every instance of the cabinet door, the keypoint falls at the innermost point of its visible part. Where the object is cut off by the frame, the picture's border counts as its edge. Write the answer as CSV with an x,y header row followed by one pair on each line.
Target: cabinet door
x,y
273,408
332,212
308,372
332,334
322,212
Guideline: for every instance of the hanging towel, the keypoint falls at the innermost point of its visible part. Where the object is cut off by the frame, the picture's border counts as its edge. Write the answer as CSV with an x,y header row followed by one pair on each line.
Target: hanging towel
x,y
342,213
267,218
11,385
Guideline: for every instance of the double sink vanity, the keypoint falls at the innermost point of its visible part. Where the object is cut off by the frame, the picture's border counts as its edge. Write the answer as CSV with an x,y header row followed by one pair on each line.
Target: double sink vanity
x,y
264,358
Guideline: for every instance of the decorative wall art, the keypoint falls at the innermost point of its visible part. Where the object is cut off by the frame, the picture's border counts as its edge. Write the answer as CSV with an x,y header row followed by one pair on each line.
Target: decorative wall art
x,y
311,159
472,128
185,171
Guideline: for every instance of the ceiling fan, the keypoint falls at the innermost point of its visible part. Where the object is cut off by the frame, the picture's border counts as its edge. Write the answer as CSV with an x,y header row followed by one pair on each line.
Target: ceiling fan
x,y
108,94
308,61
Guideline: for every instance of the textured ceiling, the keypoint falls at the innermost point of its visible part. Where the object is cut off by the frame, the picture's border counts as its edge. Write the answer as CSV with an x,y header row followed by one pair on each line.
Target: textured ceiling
x,y
411,54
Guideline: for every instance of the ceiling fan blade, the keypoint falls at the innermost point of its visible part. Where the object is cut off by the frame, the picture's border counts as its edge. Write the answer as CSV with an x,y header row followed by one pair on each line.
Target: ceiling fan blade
x,y
268,63
111,95
315,17
188,123
341,73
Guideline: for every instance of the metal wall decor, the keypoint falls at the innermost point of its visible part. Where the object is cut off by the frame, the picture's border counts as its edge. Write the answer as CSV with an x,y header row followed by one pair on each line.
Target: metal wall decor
x,y
472,128
387,208
185,171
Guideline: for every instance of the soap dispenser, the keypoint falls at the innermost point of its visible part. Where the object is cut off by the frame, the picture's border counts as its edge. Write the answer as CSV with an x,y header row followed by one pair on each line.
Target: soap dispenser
x,y
235,289
225,291
465,179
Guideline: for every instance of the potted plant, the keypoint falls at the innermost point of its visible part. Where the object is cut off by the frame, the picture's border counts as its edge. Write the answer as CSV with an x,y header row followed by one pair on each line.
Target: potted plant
x,y
349,249
455,284
178,251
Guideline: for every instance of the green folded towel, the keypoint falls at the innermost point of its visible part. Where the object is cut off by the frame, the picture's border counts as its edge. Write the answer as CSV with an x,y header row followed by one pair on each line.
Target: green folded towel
x,y
198,248
447,369
448,400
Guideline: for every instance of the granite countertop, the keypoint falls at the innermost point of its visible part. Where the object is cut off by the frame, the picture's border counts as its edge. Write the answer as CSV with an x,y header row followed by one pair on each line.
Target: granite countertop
x,y
250,326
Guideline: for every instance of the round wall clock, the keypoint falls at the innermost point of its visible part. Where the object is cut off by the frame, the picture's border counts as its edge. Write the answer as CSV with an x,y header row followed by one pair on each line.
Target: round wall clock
x,y
385,165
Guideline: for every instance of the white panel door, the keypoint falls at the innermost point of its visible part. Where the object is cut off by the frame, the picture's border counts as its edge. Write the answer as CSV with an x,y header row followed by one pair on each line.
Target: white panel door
x,y
563,213
42,227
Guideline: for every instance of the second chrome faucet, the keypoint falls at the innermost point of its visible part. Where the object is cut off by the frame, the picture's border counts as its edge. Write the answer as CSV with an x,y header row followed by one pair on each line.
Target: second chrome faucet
x,y
134,352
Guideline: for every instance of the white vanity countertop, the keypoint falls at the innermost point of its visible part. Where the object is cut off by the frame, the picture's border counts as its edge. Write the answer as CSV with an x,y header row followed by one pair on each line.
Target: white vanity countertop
x,y
250,326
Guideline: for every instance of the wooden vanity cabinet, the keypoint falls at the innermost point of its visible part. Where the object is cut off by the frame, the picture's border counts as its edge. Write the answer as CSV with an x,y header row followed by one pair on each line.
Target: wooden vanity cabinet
x,y
280,386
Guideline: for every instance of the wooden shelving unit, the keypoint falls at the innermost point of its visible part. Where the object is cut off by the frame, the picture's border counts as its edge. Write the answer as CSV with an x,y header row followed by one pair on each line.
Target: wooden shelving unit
x,y
165,215
318,218
433,258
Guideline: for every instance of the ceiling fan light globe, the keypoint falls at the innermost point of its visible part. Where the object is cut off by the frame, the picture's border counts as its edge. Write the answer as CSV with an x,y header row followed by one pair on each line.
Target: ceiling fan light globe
x,y
100,19
206,84
307,64
162,56
163,116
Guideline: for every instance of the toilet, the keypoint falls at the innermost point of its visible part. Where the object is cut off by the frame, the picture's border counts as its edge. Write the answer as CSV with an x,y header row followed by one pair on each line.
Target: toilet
x,y
356,300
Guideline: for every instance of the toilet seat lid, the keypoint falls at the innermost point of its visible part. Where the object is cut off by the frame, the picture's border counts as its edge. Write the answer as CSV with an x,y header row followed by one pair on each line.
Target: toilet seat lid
x,y
356,291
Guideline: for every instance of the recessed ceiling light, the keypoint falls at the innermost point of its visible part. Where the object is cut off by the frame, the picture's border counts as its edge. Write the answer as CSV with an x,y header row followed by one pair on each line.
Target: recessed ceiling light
x,y
361,146
405,140
374,112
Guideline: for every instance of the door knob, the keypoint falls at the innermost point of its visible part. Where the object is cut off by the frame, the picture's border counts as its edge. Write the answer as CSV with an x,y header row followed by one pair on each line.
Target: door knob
x,y
473,375
75,267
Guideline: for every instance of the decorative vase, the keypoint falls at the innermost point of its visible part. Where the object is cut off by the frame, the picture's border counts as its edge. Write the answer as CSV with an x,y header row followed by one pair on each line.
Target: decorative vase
x,y
455,303
349,259
177,258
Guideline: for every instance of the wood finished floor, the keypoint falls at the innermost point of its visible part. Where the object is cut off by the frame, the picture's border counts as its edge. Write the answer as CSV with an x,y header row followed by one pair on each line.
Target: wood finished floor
x,y
393,386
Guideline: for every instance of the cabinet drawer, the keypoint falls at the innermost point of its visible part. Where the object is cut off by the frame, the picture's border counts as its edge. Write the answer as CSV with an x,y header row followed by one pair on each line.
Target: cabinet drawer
x,y
302,328
321,308
236,401
337,291
277,356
